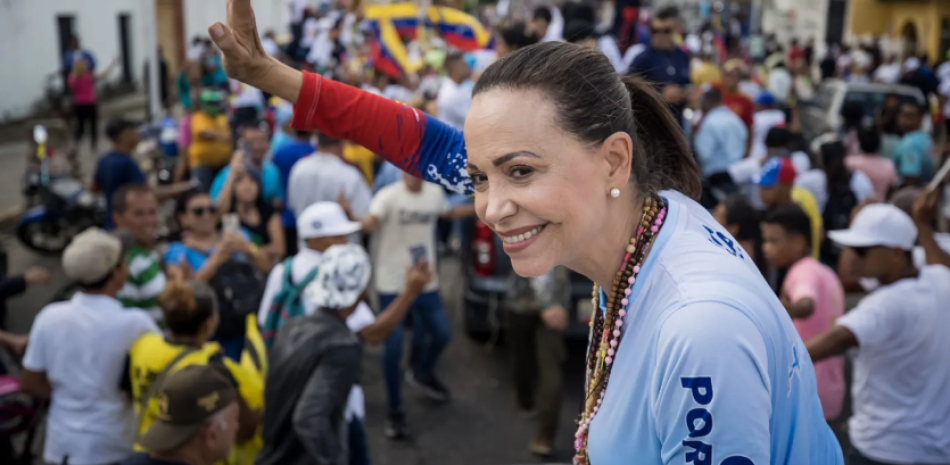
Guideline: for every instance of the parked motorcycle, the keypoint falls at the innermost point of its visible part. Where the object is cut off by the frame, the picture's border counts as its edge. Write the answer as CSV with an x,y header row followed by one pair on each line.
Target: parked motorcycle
x,y
59,207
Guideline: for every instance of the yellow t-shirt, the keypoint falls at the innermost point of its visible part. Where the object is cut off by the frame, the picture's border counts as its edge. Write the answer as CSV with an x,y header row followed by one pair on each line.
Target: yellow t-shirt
x,y
706,73
151,353
214,154
803,198
362,158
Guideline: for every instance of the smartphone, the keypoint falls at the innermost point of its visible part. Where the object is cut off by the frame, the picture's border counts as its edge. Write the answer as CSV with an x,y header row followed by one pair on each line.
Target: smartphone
x,y
418,252
941,175
230,223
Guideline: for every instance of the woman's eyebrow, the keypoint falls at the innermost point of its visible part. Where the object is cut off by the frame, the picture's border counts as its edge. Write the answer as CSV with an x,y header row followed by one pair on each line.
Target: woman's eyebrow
x,y
511,156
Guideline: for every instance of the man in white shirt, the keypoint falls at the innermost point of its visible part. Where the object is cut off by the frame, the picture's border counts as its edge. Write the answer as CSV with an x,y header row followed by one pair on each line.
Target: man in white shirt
x,y
403,216
897,336
324,177
455,94
321,226
77,357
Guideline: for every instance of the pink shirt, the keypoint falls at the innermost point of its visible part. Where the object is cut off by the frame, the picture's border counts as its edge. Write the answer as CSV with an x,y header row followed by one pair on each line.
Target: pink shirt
x,y
83,88
184,132
879,170
809,279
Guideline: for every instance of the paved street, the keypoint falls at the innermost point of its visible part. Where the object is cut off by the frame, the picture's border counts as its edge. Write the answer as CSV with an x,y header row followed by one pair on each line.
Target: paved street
x,y
14,146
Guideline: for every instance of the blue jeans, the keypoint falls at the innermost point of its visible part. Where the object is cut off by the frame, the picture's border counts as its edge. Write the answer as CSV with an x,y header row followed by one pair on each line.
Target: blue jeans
x,y
358,446
430,335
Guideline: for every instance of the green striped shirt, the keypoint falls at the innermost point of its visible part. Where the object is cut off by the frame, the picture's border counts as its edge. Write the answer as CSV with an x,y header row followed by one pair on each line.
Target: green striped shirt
x,y
145,282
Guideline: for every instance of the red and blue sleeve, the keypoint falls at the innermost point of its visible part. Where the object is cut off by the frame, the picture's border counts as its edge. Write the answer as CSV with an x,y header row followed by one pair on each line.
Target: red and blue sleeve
x,y
408,138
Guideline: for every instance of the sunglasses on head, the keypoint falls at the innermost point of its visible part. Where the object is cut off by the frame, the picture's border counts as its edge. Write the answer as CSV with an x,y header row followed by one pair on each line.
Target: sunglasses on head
x,y
200,211
665,30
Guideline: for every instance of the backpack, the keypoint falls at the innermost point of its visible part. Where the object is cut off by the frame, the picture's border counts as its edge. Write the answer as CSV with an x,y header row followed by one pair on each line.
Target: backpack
x,y
286,304
239,288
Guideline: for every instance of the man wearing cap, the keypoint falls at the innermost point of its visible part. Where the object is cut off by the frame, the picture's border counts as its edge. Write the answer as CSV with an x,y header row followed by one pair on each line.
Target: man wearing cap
x,y
897,334
777,187
78,356
314,363
198,419
321,226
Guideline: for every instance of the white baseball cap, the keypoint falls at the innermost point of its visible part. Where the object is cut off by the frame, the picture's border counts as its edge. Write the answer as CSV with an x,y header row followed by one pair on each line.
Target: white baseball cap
x,y
881,225
325,219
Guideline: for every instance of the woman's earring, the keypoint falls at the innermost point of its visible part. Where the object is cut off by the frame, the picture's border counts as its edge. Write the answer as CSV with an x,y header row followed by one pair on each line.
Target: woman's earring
x,y
615,193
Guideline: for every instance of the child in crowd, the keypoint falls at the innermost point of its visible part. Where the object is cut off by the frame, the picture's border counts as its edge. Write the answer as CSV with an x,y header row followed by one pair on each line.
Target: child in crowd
x,y
811,293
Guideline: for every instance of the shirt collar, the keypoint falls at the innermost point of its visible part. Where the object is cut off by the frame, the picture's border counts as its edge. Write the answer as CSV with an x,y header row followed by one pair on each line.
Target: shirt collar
x,y
98,301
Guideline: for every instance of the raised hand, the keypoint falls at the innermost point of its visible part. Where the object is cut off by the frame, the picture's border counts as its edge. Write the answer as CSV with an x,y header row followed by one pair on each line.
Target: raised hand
x,y
240,43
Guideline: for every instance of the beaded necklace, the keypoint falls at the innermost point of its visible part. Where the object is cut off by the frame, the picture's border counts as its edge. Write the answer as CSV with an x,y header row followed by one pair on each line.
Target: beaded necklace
x,y
605,326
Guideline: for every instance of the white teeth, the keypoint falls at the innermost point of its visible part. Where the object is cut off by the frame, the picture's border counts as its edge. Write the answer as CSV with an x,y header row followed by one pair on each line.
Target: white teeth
x,y
522,237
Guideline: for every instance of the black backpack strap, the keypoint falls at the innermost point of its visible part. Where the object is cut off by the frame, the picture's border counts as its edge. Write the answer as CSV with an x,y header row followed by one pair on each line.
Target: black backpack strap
x,y
154,387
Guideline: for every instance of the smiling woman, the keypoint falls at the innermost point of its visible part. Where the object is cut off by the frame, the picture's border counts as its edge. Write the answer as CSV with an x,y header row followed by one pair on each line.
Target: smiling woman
x,y
573,165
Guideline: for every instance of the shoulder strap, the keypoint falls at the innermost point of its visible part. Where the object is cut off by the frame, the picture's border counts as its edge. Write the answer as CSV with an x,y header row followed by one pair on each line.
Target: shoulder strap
x,y
288,276
153,388
310,277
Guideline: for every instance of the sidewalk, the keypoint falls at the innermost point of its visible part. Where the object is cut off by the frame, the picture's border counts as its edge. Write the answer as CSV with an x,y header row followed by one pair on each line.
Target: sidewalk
x,y
14,144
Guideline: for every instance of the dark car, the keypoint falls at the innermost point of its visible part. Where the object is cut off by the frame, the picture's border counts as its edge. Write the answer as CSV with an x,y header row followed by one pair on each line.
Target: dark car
x,y
486,269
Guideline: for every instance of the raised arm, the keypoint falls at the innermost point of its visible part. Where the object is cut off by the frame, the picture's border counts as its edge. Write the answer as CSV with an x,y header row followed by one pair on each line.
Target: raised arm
x,y
415,142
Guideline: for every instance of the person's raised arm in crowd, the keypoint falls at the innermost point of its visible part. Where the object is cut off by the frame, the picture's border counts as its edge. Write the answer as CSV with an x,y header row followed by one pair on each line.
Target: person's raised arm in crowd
x,y
415,142
923,213
416,279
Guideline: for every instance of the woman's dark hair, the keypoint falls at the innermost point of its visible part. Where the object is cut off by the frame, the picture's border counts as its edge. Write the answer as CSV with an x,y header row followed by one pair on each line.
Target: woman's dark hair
x,y
516,36
793,220
543,13
869,140
593,102
260,204
832,158
182,205
186,306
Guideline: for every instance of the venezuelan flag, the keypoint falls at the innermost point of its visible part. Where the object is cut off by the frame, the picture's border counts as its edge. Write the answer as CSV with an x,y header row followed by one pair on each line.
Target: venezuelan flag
x,y
459,29
406,18
387,51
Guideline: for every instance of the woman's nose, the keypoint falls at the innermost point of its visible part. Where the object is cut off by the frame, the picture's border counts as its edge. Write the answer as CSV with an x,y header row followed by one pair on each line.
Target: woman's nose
x,y
499,206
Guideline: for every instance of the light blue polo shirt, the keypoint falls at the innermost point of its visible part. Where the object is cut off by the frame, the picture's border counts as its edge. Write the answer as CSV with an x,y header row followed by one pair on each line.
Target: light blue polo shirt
x,y
710,369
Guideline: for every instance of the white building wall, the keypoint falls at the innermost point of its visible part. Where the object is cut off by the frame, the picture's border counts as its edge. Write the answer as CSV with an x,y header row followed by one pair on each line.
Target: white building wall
x,y
30,44
199,14
797,19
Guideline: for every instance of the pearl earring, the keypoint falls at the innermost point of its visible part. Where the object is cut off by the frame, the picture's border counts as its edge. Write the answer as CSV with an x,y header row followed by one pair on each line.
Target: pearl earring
x,y
615,193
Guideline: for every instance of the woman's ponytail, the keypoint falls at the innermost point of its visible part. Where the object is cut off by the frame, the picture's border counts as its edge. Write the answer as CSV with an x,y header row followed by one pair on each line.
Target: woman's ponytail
x,y
664,159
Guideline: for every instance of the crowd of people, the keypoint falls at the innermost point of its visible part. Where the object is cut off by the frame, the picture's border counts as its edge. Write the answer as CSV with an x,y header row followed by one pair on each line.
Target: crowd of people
x,y
299,240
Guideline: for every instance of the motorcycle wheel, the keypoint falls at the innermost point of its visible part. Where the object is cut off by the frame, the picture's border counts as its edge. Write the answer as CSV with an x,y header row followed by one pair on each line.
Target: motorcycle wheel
x,y
44,237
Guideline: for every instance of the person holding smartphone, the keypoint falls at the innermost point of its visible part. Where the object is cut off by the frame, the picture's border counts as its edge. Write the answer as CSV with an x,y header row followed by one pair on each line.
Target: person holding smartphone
x,y
403,217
